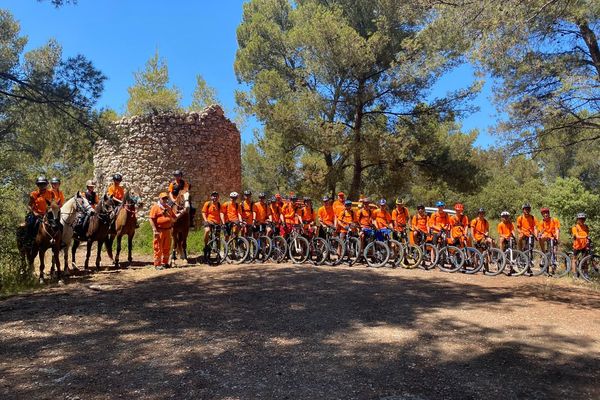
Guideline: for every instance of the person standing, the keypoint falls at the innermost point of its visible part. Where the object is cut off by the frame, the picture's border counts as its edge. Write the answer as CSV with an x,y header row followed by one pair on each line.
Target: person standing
x,y
162,218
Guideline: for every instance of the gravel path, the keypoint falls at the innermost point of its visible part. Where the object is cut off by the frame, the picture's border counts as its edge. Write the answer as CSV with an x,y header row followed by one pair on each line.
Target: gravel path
x,y
288,332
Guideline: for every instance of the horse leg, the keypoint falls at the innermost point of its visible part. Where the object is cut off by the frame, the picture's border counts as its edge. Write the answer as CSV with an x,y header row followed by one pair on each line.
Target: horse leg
x,y
73,250
56,258
42,253
118,253
99,254
109,243
87,254
174,239
129,247
184,246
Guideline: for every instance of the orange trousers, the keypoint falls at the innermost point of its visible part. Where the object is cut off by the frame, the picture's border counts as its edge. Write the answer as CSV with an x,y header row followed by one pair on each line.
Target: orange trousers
x,y
162,247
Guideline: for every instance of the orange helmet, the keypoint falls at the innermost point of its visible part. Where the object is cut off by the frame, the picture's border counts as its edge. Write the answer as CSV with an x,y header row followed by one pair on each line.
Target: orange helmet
x,y
459,207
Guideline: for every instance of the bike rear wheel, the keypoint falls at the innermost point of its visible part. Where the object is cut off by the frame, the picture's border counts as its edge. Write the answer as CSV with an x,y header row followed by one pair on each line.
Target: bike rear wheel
x,y
473,260
279,249
298,249
538,263
376,254
253,249
217,251
264,248
559,264
319,250
336,252
431,256
516,261
589,268
396,252
237,250
451,259
494,262
352,250
413,256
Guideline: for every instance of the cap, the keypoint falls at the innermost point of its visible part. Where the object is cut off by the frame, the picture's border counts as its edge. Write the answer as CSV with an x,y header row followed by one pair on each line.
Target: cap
x,y
162,195
90,183
399,200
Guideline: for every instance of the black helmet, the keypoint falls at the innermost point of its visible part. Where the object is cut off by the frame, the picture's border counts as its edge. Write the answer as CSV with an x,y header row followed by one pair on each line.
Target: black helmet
x,y
41,180
54,180
481,210
526,205
420,207
177,173
214,194
117,177
247,193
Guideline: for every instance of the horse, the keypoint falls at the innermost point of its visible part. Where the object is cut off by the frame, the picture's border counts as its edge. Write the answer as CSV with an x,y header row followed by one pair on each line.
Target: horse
x,y
181,227
48,236
98,228
125,224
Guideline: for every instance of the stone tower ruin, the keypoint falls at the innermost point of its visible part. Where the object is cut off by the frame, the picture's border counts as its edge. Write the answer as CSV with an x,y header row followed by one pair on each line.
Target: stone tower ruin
x,y
149,148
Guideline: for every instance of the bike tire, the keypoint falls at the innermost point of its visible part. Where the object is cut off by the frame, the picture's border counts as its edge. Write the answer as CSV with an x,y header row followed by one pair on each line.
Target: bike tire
x,y
337,251
558,266
431,256
396,252
279,249
494,262
413,256
517,261
319,250
539,263
298,250
254,249
473,260
217,251
589,268
451,259
376,254
353,251
264,248
237,250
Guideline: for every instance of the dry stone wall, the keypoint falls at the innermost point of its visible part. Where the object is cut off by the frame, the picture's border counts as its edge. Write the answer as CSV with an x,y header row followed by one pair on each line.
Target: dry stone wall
x,y
204,145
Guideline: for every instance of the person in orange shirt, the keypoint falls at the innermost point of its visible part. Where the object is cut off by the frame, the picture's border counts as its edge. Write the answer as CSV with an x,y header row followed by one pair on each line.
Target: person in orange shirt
x,y
364,217
383,220
289,213
506,230
230,215
308,215
480,230
581,240
261,216
162,218
327,216
438,221
59,196
548,229
459,226
275,210
345,219
526,226
211,215
339,204
39,200
115,190
247,213
418,226
400,218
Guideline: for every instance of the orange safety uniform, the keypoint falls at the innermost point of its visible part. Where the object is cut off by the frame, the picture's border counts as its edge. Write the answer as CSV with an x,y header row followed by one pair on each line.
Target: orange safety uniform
x,y
345,218
549,228
275,212
505,229
230,211
479,226
262,212
338,207
117,192
247,211
59,196
400,218
38,201
163,217
289,213
438,221
326,215
212,211
459,226
364,217
383,218
526,225
581,234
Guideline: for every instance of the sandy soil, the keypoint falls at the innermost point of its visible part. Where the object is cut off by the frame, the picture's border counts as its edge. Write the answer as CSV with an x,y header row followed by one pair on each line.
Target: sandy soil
x,y
300,332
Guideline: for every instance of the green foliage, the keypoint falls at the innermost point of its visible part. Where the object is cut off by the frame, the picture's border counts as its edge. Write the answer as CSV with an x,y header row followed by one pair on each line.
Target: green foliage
x,y
142,241
569,197
203,95
150,92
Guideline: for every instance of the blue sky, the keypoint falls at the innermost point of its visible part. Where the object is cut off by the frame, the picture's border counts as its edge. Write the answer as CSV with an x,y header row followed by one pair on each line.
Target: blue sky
x,y
196,37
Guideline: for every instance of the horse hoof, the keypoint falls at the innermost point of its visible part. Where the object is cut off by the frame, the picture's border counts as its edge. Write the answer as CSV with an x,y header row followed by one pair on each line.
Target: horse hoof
x,y
61,282
42,281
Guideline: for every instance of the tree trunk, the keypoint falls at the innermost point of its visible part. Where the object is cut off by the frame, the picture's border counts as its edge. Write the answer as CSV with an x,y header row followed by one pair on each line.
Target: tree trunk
x,y
357,166
592,44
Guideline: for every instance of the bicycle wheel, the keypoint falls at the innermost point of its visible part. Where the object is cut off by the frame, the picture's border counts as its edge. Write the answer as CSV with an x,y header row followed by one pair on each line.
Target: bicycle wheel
x,y
319,250
559,264
336,251
376,254
298,249
451,259
254,249
589,268
431,256
473,260
237,250
396,252
279,249
413,256
516,261
264,248
352,250
217,251
494,262
538,263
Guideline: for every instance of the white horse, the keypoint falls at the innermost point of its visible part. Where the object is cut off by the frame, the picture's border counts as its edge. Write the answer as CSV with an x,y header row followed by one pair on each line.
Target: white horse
x,y
78,204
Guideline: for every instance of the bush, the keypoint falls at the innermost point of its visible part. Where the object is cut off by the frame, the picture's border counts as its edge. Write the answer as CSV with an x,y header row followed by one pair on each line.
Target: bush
x,y
142,241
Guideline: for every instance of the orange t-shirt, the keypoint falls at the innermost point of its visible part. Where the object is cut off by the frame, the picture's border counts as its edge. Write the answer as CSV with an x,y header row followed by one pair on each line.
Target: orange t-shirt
x,y
459,226
526,224
212,211
230,211
338,207
289,213
345,218
275,212
505,230
308,215
262,212
326,215
438,221
383,218
364,218
39,201
549,228
419,222
246,211
581,234
59,196
163,217
118,192
479,226
400,218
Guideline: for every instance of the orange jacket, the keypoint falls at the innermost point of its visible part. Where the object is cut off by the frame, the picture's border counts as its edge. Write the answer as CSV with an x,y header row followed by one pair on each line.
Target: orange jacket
x,y
338,207
308,215
289,213
549,228
382,217
345,218
59,196
438,221
526,224
364,217
419,222
400,218
163,216
247,210
506,230
261,211
230,211
459,226
275,212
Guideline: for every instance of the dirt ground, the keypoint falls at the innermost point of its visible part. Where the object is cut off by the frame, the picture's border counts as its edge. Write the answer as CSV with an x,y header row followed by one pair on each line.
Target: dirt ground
x,y
299,332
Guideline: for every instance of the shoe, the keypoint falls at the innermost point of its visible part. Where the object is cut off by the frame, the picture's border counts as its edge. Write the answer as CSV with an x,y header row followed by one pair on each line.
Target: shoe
x,y
159,267
166,265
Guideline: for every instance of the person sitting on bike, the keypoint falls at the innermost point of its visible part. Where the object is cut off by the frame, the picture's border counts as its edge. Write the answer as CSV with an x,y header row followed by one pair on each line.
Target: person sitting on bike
x,y
179,186
438,221
308,215
459,226
581,239
327,218
261,215
289,215
211,215
59,196
339,204
506,230
230,215
275,210
38,205
247,212
548,229
383,219
526,226
418,225
400,218
480,230
346,218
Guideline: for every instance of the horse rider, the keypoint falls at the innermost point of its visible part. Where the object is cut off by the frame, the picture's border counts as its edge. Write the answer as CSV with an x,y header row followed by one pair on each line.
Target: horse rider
x,y
90,194
38,205
179,185
115,191
92,197
58,194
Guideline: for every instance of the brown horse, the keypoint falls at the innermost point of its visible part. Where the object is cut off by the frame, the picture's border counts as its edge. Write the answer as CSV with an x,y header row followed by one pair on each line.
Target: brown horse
x,y
98,228
125,224
181,227
48,236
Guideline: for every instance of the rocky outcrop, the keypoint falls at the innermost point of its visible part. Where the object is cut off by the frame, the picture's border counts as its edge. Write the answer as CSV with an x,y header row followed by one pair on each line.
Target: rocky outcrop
x,y
148,148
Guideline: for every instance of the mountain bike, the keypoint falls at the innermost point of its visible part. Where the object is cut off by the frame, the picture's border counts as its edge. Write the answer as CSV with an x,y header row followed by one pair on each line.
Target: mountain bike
x,y
353,249
264,243
318,247
336,247
589,265
494,259
395,247
516,260
412,255
451,258
429,251
537,261
238,246
473,258
376,252
298,245
216,247
279,246
247,231
559,263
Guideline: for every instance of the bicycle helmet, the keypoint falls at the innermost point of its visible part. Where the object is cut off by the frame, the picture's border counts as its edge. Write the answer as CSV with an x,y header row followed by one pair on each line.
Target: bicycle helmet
x,y
177,173
117,177
306,199
481,210
459,207
399,201
440,204
54,180
233,194
341,194
261,195
420,207
326,198
273,200
505,214
581,215
347,203
247,193
526,205
544,210
214,194
382,202
41,180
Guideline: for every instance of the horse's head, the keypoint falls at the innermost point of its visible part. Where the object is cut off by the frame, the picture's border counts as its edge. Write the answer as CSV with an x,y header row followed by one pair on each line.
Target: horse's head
x,y
182,200
53,214
132,199
82,203
106,205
